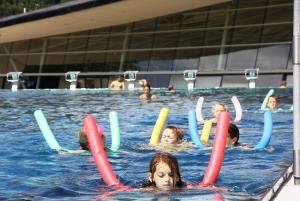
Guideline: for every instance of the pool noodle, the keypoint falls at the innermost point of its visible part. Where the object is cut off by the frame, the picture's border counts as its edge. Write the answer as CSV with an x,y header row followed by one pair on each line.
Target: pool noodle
x,y
265,102
159,125
237,108
218,150
114,130
46,131
98,152
199,110
206,131
266,137
193,129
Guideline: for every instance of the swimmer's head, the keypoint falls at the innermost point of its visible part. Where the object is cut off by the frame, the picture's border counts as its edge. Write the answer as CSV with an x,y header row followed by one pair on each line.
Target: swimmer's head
x,y
170,87
147,89
83,141
233,135
172,135
164,172
272,102
218,108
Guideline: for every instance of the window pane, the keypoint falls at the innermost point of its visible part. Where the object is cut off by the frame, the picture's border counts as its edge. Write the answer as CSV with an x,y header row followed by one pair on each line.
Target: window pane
x,y
239,58
280,1
34,60
280,14
216,19
36,45
166,40
57,45
209,59
246,35
168,22
186,60
194,38
274,57
161,60
74,59
77,44
19,63
96,58
33,64
113,62
141,41
3,64
253,16
251,3
137,61
145,25
277,33
115,42
98,43
194,20
20,47
54,59
4,47
213,37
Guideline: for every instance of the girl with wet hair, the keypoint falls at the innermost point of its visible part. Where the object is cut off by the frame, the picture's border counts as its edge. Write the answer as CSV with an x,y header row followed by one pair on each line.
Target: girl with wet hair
x,y
164,172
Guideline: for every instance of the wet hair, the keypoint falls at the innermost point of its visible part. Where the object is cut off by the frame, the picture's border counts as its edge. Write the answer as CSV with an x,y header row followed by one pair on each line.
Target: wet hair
x,y
233,132
171,161
83,141
273,96
178,132
221,104
148,85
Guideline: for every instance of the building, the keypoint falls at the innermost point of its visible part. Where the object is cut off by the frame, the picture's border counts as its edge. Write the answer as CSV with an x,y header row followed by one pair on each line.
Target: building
x,y
158,38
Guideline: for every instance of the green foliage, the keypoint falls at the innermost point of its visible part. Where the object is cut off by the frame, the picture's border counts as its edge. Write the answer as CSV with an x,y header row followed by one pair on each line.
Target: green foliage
x,y
13,7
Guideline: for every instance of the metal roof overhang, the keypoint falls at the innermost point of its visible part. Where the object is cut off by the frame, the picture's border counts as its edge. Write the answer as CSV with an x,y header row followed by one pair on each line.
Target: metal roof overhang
x,y
109,13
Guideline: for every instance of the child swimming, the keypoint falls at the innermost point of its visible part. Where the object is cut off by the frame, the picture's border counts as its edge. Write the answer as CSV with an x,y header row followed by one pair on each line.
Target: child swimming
x,y
84,144
272,103
172,135
164,172
83,141
217,109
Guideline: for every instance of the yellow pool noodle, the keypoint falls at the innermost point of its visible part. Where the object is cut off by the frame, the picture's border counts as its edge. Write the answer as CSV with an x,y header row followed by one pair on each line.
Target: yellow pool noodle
x,y
159,125
206,131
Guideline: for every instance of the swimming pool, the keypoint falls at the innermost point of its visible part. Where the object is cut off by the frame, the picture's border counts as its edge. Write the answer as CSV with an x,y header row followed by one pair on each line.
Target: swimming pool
x,y
31,171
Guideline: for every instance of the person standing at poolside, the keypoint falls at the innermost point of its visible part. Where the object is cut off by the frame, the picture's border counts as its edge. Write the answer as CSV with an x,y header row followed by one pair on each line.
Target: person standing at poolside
x,y
117,84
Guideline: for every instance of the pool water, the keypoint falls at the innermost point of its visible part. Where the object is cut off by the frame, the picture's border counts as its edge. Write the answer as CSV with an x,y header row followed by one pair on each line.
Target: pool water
x,y
31,171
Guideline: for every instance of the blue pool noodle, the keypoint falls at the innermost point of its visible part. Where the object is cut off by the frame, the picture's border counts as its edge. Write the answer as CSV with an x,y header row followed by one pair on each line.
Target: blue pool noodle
x,y
265,102
266,137
193,129
114,130
46,131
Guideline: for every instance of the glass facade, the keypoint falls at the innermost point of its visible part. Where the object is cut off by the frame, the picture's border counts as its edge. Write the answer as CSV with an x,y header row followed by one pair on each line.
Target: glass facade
x,y
231,36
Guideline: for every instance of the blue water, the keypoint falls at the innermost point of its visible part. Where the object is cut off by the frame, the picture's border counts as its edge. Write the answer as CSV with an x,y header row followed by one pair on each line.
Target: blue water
x,y
30,171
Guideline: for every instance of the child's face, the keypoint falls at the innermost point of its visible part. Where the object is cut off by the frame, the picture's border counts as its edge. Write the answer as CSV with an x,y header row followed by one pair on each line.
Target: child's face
x,y
163,177
218,109
272,103
169,137
146,90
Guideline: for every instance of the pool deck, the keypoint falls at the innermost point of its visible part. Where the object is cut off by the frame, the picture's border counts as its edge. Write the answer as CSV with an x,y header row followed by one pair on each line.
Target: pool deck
x,y
284,188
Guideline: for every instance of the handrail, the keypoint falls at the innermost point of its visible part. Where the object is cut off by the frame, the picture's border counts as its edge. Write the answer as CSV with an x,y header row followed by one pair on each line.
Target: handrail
x,y
199,73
